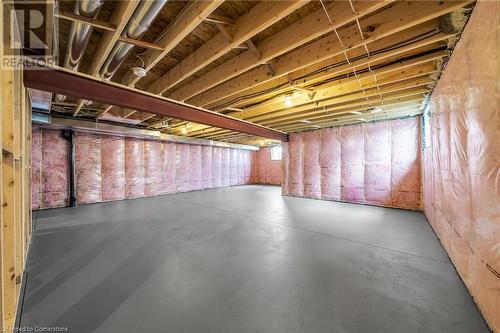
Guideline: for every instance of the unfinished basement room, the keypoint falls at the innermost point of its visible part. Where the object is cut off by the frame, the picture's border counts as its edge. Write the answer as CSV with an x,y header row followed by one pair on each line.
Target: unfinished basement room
x,y
241,166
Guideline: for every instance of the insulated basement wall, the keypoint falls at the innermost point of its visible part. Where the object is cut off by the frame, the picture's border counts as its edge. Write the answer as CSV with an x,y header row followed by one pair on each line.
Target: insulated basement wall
x,y
373,163
461,163
266,170
115,168
49,173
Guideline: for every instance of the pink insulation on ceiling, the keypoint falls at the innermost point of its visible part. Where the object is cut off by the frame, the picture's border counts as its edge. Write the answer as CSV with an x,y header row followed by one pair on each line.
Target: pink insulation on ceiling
x,y
153,178
88,160
55,171
374,163
461,166
113,168
134,168
36,167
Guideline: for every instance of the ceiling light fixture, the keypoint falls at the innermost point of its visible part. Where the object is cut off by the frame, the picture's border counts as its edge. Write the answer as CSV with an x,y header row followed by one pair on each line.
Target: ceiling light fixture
x,y
288,101
305,121
376,109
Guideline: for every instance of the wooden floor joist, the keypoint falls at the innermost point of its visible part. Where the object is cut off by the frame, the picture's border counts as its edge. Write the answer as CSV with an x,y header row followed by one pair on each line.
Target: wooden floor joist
x,y
273,62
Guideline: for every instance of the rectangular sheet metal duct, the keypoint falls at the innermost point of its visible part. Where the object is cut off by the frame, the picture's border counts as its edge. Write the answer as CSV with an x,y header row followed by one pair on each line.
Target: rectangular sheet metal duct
x,y
65,82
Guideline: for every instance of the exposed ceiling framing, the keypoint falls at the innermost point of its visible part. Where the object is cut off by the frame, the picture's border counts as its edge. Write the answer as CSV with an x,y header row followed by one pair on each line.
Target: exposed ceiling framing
x,y
287,65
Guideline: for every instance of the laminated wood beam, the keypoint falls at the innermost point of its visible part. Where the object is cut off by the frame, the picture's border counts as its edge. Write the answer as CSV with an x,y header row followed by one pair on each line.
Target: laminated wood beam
x,y
60,81
377,26
260,17
303,31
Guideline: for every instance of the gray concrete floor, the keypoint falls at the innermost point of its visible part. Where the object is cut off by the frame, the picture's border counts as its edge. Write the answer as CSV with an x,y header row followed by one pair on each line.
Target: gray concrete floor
x,y
242,259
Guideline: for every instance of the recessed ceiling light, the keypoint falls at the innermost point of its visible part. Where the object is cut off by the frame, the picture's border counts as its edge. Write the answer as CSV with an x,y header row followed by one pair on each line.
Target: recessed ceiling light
x,y
288,101
376,110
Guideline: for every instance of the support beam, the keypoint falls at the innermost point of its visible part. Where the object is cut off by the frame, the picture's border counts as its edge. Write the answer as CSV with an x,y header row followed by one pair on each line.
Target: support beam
x,y
61,81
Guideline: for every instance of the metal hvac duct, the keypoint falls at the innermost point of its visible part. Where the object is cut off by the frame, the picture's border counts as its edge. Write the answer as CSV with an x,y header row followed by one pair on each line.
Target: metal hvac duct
x,y
143,16
80,32
79,35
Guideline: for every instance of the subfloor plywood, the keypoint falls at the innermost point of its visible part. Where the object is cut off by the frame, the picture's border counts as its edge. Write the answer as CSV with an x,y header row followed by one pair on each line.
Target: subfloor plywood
x,y
242,259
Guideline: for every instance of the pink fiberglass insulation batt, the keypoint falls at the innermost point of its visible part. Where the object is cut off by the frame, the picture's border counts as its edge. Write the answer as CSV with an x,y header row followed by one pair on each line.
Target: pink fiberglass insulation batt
x,y
153,179
312,168
168,163
374,163
233,167
134,168
226,167
194,167
113,168
36,167
295,164
353,164
378,165
266,170
461,166
182,168
285,168
55,171
216,167
329,161
88,167
206,167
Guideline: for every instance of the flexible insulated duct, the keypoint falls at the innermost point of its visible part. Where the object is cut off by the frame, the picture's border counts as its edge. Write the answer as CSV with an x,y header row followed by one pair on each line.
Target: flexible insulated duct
x,y
143,17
